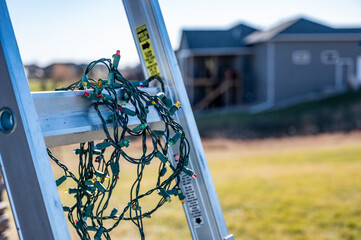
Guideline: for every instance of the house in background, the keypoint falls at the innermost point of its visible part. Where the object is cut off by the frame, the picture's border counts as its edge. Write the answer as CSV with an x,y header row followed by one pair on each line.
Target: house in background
x,y
64,73
293,62
216,66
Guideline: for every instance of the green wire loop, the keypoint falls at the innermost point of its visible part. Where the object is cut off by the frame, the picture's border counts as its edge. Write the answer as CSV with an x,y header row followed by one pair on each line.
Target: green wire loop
x,y
97,176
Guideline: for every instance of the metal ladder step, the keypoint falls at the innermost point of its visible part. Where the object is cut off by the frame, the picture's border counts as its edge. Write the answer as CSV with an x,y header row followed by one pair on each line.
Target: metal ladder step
x,y
68,117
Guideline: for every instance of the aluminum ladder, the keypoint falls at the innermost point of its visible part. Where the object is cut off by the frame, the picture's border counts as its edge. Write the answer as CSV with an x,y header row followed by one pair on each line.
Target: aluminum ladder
x,y
30,122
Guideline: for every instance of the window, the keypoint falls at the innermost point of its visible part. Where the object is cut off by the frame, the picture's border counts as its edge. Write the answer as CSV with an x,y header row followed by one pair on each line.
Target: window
x,y
301,57
329,56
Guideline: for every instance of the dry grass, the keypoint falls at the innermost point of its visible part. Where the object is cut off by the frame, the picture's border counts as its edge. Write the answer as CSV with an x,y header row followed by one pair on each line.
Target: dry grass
x,y
291,188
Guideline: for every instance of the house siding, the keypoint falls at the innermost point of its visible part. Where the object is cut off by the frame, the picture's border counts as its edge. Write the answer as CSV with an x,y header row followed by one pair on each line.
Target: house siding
x,y
294,81
260,72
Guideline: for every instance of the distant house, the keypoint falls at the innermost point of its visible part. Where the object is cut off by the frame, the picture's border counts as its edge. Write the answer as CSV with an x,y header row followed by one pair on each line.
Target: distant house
x,y
216,66
64,72
34,71
291,62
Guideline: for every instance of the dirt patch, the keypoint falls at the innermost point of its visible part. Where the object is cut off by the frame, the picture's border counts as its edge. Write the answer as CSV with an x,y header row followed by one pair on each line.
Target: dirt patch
x,y
315,141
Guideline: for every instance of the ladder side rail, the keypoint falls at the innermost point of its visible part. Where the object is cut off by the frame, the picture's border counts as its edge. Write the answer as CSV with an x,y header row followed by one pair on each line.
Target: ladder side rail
x,y
33,195
148,12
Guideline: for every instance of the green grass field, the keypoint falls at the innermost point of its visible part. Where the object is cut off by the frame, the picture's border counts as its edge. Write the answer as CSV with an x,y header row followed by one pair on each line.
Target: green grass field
x,y
292,188
335,113
285,191
49,85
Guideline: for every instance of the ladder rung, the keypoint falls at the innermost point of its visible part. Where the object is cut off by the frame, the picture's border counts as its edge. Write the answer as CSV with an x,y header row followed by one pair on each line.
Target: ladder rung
x,y
67,117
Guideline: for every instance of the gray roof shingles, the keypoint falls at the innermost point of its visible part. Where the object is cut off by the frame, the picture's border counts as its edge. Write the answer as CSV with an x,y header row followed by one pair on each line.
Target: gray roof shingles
x,y
297,26
243,35
233,37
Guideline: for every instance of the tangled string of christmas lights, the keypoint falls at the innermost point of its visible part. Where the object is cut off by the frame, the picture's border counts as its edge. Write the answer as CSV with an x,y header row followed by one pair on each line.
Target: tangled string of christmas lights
x,y
97,176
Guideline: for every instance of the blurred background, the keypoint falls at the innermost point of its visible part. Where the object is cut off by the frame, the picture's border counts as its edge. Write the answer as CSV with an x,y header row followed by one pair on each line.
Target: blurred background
x,y
275,88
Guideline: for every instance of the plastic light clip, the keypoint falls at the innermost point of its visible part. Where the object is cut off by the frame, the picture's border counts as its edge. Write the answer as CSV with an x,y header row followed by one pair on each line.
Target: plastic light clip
x,y
162,158
60,180
174,139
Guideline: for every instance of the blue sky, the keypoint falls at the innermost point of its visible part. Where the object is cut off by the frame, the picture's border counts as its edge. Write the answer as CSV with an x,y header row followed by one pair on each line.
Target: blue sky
x,y
82,30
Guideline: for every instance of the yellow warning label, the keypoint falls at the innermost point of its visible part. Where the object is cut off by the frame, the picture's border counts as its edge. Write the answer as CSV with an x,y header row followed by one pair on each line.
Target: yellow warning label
x,y
147,50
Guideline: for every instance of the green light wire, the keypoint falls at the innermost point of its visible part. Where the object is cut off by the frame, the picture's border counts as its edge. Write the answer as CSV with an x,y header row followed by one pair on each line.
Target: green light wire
x,y
93,193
